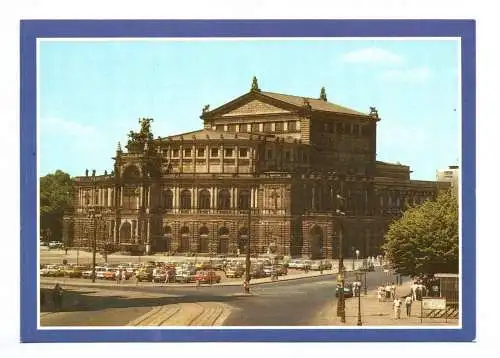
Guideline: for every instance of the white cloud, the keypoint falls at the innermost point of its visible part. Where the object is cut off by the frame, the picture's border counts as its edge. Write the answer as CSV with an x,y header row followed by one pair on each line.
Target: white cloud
x,y
372,55
412,75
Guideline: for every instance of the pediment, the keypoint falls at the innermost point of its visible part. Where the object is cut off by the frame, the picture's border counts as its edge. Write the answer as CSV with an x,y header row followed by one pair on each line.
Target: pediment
x,y
253,107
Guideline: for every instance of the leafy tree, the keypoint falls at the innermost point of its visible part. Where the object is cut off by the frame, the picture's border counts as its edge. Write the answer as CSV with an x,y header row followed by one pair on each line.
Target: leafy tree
x,y
55,199
425,239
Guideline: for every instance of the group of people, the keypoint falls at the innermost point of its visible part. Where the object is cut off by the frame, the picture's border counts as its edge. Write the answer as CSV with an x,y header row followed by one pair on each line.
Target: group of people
x,y
386,292
398,303
120,276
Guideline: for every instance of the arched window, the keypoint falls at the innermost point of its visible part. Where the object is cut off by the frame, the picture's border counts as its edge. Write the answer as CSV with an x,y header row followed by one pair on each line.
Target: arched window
x,y
223,246
168,199
204,199
243,199
184,242
224,199
130,197
203,246
185,199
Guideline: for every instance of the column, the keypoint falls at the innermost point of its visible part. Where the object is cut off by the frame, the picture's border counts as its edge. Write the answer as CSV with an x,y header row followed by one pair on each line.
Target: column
x,y
237,160
115,232
149,196
207,156
141,196
194,157
193,197
195,205
181,156
216,198
121,196
176,198
221,149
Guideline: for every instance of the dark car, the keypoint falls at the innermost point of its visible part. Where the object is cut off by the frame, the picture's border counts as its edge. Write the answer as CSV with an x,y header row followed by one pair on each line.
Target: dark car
x,y
348,290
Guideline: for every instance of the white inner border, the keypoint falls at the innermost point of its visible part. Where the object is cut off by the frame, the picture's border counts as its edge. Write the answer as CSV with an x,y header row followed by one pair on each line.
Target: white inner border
x,y
218,39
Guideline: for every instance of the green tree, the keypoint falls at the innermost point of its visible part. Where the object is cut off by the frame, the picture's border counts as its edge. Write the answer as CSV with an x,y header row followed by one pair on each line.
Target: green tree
x,y
55,199
425,239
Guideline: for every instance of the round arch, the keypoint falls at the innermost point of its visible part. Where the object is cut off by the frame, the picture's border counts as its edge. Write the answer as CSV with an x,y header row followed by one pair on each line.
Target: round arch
x,y
204,241
316,236
223,236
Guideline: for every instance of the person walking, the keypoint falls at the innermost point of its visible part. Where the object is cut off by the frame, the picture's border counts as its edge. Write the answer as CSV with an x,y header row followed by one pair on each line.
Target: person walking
x,y
117,277
408,302
397,308
57,296
393,290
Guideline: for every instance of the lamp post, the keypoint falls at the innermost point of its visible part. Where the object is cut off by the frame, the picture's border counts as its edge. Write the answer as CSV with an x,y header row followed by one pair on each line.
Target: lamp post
x,y
366,288
341,279
246,284
358,289
94,216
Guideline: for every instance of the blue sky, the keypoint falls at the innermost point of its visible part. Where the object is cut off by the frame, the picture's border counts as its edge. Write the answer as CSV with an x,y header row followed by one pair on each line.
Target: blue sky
x,y
92,93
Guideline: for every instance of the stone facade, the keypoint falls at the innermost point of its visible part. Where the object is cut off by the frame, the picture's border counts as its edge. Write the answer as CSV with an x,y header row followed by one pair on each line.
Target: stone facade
x,y
283,157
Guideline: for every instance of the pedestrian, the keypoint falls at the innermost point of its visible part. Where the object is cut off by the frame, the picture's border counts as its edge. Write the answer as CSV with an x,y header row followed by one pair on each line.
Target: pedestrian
x,y
379,293
393,291
42,298
117,277
57,297
397,308
321,267
408,302
123,276
154,275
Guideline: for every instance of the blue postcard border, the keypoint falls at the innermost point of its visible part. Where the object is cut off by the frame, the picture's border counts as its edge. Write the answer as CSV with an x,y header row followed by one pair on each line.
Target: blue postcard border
x,y
31,30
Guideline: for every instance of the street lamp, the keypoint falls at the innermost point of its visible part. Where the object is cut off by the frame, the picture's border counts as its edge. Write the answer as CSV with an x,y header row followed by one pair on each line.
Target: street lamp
x,y
341,279
94,216
358,289
246,284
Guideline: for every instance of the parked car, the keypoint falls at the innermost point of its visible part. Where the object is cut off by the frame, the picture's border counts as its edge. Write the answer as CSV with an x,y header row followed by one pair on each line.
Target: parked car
x,y
348,290
207,277
235,271
74,271
98,272
282,270
144,274
161,275
55,245
320,265
184,276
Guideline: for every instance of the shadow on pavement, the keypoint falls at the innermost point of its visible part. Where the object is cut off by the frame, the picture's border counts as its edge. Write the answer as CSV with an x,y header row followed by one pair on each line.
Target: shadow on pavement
x,y
84,300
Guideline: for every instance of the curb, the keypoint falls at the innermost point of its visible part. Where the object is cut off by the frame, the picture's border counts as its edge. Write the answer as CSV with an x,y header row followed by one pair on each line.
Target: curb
x,y
104,285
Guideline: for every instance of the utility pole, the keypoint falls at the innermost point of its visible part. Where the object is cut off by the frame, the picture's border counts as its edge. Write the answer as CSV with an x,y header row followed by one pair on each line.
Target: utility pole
x,y
247,258
94,242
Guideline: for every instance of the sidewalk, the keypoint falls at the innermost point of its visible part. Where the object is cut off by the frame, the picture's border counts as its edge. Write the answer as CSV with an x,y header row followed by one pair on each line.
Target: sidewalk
x,y
375,313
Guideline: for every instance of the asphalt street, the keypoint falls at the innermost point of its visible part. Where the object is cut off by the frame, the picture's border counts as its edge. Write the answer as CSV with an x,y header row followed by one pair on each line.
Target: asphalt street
x,y
285,303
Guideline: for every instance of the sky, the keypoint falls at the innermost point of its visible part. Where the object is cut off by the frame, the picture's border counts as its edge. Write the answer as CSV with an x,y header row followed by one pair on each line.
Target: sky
x,y
92,93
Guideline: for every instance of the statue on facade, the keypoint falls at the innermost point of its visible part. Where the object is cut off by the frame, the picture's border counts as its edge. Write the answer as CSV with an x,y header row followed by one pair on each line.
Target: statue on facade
x,y
255,85
306,105
86,172
206,108
373,112
322,95
139,140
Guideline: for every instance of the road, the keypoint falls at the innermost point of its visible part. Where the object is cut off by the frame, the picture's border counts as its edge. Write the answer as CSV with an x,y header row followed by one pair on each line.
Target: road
x,y
282,303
